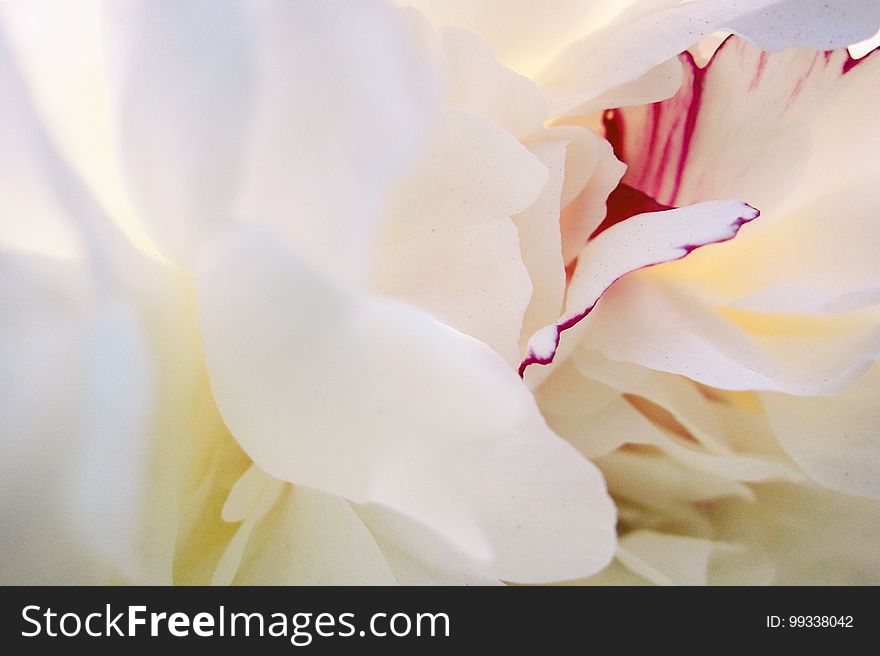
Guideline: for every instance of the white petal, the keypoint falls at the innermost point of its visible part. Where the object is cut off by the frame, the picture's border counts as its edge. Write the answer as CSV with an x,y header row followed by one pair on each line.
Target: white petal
x,y
661,327
249,501
639,242
477,82
665,559
418,556
816,24
181,81
663,485
541,241
584,213
448,245
812,535
75,327
578,51
674,394
668,414
374,401
660,82
46,308
862,48
32,215
649,33
60,49
312,538
835,439
523,34
285,114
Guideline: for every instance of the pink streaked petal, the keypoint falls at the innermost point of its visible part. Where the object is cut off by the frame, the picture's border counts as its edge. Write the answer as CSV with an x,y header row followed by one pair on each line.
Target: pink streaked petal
x,y
794,132
636,243
654,140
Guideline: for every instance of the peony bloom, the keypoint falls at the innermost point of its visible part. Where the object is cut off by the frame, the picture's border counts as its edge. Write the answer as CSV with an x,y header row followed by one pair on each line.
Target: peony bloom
x,y
303,292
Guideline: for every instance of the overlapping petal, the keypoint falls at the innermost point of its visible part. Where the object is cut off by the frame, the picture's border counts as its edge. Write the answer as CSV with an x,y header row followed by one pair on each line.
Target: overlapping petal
x,y
80,319
834,438
618,51
231,94
639,242
286,350
448,244
792,306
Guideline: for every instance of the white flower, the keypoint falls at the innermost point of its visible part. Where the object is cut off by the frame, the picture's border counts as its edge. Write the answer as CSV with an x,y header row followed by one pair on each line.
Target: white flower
x,y
271,269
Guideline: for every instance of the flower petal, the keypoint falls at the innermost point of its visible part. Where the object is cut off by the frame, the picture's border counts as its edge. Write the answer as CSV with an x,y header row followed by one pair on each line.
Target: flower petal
x,y
812,535
665,559
312,538
78,320
771,310
796,354
540,238
435,426
523,34
646,34
584,213
639,242
835,439
815,24
787,118
448,245
478,82
295,115
417,556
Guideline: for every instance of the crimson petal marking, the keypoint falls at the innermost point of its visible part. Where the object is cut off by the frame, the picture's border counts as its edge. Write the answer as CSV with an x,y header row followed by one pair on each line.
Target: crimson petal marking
x,y
667,132
625,202
851,62
659,142
689,224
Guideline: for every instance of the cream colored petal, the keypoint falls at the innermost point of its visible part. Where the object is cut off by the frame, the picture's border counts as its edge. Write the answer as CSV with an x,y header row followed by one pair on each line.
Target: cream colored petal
x,y
780,161
816,24
541,241
647,34
674,394
598,419
665,559
662,486
583,213
477,82
813,536
661,327
835,439
77,325
523,34
660,82
249,502
374,401
311,538
417,556
448,245
285,114
639,242
60,50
